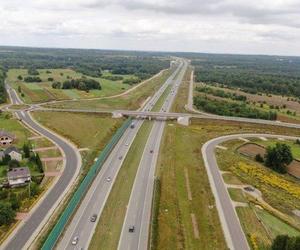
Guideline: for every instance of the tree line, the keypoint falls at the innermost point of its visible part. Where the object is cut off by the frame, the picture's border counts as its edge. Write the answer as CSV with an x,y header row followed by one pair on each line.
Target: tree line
x,y
83,83
225,108
221,93
3,95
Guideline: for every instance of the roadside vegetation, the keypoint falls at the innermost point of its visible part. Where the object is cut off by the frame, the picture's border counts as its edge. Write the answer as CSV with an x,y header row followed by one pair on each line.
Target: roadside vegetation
x,y
19,199
132,100
276,211
2,87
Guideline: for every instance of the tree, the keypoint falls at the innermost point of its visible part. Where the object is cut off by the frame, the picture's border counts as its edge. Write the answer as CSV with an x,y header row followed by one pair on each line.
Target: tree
x,y
20,77
19,89
259,158
7,214
284,242
6,159
26,150
13,164
34,188
278,157
39,163
15,203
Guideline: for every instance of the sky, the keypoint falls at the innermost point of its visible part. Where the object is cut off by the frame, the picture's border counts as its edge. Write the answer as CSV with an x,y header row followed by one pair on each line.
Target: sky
x,y
215,26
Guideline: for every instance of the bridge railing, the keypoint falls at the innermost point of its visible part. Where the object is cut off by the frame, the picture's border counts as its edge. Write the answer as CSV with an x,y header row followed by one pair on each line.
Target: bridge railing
x,y
82,189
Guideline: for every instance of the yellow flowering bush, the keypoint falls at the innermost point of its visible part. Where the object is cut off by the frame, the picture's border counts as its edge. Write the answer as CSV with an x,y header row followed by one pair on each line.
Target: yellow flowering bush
x,y
270,179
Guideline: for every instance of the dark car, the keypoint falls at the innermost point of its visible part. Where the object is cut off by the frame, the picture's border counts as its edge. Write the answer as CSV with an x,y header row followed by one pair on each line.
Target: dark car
x,y
131,229
151,151
94,218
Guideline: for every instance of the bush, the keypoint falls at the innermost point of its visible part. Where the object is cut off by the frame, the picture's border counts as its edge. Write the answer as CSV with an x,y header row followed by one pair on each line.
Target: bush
x,y
259,158
7,214
13,164
32,79
285,242
278,157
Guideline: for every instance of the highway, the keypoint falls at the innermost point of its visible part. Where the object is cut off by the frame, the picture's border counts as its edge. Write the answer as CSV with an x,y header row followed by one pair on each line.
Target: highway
x,y
138,212
28,229
94,201
234,235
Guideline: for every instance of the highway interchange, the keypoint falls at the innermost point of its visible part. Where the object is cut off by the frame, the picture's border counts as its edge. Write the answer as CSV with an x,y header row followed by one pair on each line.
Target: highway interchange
x,y
139,208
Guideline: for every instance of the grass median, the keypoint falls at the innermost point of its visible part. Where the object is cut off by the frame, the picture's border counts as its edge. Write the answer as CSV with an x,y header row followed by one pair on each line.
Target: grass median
x,y
109,228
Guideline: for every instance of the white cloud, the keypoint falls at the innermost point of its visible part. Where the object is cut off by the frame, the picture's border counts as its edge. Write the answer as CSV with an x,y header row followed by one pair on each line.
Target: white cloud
x,y
237,26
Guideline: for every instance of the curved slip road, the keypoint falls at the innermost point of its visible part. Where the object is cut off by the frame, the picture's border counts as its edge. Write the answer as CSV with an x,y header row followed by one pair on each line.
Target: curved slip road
x,y
28,229
234,235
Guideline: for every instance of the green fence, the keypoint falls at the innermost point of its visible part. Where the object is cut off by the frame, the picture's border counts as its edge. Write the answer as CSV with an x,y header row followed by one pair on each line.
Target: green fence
x,y
82,189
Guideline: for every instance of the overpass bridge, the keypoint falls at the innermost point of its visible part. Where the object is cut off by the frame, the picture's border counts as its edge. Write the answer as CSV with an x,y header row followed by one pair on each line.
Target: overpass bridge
x,y
180,117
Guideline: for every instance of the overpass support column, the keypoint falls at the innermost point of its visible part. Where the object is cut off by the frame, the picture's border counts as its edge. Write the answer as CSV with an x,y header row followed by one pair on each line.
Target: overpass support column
x,y
185,121
117,115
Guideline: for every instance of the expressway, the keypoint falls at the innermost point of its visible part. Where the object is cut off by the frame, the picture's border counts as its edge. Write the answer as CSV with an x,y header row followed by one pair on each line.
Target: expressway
x,y
232,228
138,212
27,230
94,201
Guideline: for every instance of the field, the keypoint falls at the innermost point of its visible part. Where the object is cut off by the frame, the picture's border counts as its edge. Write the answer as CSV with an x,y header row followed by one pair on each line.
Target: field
x,y
43,91
279,192
109,227
132,100
287,108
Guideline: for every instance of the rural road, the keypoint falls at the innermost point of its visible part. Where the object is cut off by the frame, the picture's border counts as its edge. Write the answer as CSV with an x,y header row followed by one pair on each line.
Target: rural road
x,y
94,201
28,229
138,212
234,235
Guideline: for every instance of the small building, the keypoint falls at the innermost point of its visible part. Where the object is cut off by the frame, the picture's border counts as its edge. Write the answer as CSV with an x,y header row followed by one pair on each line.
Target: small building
x,y
6,139
18,176
14,153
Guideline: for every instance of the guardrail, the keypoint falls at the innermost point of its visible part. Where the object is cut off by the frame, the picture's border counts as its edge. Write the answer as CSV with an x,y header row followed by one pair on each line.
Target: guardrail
x,y
82,189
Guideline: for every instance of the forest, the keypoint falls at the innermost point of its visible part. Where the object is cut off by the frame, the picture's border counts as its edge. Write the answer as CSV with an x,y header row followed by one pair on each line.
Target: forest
x,y
2,87
86,61
253,74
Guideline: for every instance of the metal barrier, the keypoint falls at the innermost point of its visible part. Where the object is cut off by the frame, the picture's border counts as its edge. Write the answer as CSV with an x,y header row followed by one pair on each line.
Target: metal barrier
x,y
82,189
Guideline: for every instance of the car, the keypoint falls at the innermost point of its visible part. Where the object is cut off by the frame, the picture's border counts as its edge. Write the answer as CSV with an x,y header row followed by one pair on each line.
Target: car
x,y
108,179
127,144
75,240
131,229
93,218
120,157
151,151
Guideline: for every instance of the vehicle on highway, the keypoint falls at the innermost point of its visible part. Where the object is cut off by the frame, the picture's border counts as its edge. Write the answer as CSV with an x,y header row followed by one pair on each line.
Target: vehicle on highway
x,y
132,125
127,144
131,229
93,218
151,151
108,179
75,240
120,157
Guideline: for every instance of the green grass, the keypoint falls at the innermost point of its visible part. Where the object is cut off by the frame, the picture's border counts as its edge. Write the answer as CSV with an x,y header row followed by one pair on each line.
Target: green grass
x,y
231,179
295,148
161,100
85,130
274,225
9,124
133,100
110,225
41,92
253,228
237,195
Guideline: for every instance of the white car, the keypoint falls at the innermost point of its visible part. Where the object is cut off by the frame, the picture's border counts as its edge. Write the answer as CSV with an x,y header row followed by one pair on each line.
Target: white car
x,y
127,144
108,179
75,240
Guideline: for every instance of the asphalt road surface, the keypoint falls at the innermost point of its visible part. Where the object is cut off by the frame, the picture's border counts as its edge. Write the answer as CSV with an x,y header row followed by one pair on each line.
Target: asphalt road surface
x,y
138,212
235,237
95,199
25,232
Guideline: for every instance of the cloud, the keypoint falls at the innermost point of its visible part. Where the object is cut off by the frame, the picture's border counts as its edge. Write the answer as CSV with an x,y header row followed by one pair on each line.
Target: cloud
x,y
196,25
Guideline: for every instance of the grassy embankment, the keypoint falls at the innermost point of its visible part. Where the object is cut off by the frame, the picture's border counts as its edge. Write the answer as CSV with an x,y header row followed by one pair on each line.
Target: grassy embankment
x,y
132,100
43,91
86,131
111,221
280,194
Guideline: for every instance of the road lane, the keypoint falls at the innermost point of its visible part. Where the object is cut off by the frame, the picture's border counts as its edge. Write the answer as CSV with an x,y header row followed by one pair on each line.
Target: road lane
x,y
27,230
138,212
95,199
